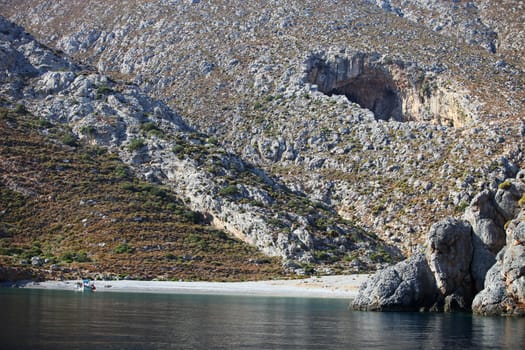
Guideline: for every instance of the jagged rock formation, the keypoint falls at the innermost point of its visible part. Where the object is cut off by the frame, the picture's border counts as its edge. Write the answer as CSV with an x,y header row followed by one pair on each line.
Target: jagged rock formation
x,y
504,292
244,79
229,193
461,270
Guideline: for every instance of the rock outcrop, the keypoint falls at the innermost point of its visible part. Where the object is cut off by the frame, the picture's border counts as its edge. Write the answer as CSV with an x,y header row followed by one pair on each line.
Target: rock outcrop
x,y
409,285
504,292
449,256
466,266
398,91
504,285
485,23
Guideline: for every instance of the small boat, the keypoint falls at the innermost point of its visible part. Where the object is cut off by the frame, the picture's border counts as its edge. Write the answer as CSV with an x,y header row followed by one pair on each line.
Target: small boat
x,y
86,285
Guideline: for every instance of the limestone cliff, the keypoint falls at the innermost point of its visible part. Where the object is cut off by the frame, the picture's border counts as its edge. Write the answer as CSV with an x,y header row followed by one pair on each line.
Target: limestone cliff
x,y
350,116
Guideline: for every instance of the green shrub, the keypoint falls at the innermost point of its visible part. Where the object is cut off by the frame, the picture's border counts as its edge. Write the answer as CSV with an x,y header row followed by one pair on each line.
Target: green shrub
x,y
462,206
505,185
20,109
230,190
103,90
151,129
191,216
69,140
10,251
136,144
124,248
88,130
44,123
177,149
80,256
213,141
121,172
170,256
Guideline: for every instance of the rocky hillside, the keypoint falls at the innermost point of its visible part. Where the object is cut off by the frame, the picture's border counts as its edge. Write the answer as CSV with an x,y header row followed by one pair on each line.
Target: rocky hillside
x,y
216,187
497,26
389,114
283,85
70,210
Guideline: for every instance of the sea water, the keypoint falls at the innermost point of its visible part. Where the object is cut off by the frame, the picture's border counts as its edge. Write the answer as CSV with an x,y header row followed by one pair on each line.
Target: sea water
x,y
44,319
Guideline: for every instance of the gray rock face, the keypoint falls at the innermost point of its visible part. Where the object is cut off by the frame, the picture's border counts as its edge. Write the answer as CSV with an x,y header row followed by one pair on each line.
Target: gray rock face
x,y
489,235
409,285
236,72
504,292
482,260
507,198
449,255
391,90
465,273
487,223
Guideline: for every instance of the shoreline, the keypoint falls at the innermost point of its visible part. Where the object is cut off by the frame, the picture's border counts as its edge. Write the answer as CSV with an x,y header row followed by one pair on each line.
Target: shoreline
x,y
339,286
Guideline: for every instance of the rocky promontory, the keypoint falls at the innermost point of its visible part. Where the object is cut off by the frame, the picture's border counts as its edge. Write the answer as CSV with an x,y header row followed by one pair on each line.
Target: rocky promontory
x,y
475,263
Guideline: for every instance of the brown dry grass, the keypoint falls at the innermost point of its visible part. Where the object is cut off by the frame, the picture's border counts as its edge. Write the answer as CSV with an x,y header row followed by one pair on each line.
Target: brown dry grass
x,y
82,209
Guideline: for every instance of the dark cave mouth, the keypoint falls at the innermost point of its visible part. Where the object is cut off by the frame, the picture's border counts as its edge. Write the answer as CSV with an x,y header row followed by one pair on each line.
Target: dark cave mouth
x,y
370,87
390,90
382,100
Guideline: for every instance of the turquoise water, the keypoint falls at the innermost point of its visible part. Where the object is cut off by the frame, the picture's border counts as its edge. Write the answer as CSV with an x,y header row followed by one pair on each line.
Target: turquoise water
x,y
42,319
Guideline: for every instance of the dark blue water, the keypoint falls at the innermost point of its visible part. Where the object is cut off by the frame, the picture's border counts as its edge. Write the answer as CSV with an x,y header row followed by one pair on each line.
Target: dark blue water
x,y
39,319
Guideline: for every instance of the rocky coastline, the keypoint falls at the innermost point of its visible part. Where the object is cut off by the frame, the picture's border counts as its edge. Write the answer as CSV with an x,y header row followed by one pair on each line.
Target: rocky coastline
x,y
476,263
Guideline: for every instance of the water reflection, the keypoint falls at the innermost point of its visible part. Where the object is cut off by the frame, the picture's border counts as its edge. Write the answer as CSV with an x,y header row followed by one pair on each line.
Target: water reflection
x,y
35,319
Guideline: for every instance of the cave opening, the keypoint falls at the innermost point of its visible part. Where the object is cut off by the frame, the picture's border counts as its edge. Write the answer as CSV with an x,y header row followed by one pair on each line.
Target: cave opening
x,y
374,94
370,87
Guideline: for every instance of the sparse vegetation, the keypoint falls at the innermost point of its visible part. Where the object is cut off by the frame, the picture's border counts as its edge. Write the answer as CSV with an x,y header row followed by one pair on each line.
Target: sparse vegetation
x,y
136,144
124,248
230,190
505,185
20,109
521,202
88,130
386,176
103,90
150,128
70,140
116,206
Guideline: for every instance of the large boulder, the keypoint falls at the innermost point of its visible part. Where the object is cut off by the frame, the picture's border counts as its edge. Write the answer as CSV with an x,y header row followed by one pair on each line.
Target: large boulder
x,y
409,285
487,214
438,280
504,292
449,254
508,196
488,234
461,261
482,260
486,221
